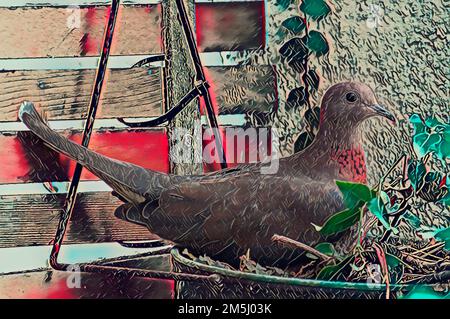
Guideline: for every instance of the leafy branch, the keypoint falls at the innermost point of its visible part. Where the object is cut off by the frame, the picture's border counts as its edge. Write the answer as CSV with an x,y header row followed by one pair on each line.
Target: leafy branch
x,y
297,52
390,204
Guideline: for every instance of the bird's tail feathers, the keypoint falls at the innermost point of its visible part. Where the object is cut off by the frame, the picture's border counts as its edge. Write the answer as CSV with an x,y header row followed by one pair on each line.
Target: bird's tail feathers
x,y
132,182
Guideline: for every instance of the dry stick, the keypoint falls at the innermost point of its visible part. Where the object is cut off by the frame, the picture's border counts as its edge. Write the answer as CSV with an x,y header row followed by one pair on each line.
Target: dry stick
x,y
382,259
382,179
429,249
293,243
432,255
438,277
427,252
419,259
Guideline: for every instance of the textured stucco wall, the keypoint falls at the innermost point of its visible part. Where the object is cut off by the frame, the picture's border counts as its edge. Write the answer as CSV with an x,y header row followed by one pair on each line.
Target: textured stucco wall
x,y
405,59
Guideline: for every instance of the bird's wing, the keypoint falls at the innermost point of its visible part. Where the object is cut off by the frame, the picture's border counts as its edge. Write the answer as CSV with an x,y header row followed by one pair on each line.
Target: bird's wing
x,y
134,183
246,209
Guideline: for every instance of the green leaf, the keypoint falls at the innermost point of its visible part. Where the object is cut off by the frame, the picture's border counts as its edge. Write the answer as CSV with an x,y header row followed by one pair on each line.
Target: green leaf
x,y
389,208
354,193
313,80
431,136
424,292
294,24
396,267
331,271
434,188
324,248
295,52
446,199
443,149
284,4
393,261
443,235
416,173
296,99
433,122
412,219
426,142
316,9
377,207
340,221
417,123
316,43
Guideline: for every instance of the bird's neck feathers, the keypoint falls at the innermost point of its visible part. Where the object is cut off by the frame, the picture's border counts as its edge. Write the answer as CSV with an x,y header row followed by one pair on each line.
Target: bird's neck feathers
x,y
335,154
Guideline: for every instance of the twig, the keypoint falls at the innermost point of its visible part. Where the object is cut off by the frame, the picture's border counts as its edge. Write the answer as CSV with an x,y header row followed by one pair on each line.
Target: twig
x,y
410,257
382,179
382,259
429,249
293,243
439,277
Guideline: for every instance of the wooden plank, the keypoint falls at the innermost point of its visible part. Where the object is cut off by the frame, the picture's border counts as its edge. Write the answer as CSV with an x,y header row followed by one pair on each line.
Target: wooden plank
x,y
179,78
243,89
115,124
230,26
25,158
65,94
27,220
130,92
54,32
82,63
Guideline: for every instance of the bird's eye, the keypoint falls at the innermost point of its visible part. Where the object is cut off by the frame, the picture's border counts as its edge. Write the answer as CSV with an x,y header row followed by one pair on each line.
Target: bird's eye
x,y
351,97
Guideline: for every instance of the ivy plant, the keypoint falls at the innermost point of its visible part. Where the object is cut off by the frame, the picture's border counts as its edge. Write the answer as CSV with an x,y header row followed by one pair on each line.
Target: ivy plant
x,y
429,139
304,45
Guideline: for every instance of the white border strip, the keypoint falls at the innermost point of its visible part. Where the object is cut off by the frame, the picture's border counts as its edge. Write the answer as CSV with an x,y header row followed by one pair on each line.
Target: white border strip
x,y
104,124
52,188
61,125
69,63
21,259
68,3
227,120
223,58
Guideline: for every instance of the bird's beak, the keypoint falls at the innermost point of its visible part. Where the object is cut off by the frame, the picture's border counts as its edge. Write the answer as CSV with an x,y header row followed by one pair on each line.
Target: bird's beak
x,y
381,110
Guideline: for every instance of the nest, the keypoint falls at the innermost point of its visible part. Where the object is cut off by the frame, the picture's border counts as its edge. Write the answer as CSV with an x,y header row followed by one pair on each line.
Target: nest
x,y
363,260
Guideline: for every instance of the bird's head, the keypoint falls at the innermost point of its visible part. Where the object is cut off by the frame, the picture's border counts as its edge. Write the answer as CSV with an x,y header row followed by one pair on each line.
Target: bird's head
x,y
350,103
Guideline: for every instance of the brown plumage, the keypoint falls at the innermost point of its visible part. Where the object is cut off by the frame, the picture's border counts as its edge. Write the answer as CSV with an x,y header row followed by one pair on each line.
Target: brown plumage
x,y
225,213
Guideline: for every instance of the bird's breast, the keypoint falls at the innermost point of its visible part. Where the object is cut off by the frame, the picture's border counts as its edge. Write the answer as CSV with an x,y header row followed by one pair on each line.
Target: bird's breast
x,y
351,164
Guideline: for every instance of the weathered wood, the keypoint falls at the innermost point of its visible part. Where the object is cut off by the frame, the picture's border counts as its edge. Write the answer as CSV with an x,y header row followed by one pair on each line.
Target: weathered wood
x,y
130,92
179,80
32,220
65,94
25,158
243,89
230,26
41,32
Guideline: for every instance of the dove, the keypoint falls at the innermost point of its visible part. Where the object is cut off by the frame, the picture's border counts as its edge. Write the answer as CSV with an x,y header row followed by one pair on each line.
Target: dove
x,y
227,213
